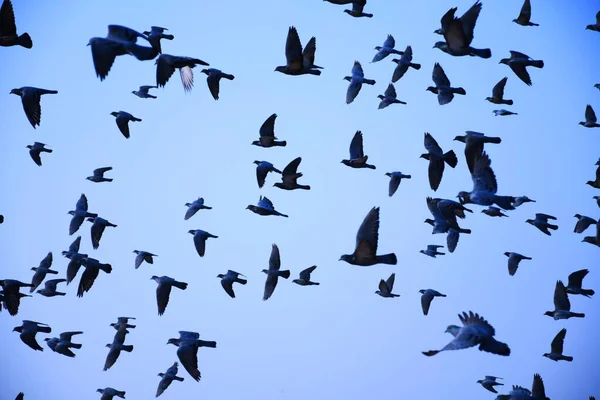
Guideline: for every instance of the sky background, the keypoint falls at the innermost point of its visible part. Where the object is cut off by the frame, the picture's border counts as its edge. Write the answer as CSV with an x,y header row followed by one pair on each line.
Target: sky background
x,y
334,341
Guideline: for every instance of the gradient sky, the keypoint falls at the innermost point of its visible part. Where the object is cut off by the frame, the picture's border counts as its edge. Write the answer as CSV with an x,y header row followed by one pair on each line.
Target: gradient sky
x,y
338,340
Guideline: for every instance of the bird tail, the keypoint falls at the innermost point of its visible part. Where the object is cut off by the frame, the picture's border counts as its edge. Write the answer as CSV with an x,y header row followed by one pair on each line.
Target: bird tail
x,y
577,315
450,158
460,91
46,91
178,378
587,292
151,96
45,329
204,343
407,176
284,274
25,41
108,179
75,345
568,358
106,268
60,294
553,227
282,143
137,119
467,231
305,187
241,281
387,259
505,202
180,285
168,37
127,347
430,353
494,346
369,81
51,271
483,53
47,150
495,140
508,102
538,64
228,76
415,66
440,254
282,215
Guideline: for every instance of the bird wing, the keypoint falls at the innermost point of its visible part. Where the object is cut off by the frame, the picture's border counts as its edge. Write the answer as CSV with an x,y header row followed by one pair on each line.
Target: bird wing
x,y
455,36
101,171
537,389
47,261
189,213
590,115
123,33
200,244
31,105
358,5
213,84
439,76
383,287
431,145
7,19
139,259
163,291
67,336
87,280
305,274
357,70
544,217
469,19
394,183
520,70
266,204
525,14
270,284
558,342
435,172
164,70
187,78
292,167
389,42
51,284
576,278
267,129
308,55
104,52
123,124
408,54
35,156
111,357
513,265
483,176
390,282
426,302
74,247
28,337
447,18
353,90
293,50
356,146
228,286
390,91
433,247
367,236
261,174
517,54
498,90
452,240
96,231
82,203
274,259
561,299
475,320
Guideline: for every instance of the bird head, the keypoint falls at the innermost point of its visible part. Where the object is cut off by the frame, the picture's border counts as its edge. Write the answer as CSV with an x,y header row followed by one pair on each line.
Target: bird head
x,y
71,212
422,251
549,313
265,271
429,221
396,60
381,97
582,123
29,146
348,78
546,355
480,381
515,20
257,162
100,390
173,341
488,98
432,89
255,143
90,219
107,345
154,278
577,216
590,27
205,71
16,91
507,253
250,207
452,329
530,221
504,61
377,48
348,12
464,197
18,329
591,183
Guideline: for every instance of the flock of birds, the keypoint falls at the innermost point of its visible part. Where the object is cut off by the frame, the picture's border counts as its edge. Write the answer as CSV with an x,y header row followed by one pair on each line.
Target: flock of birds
x,y
458,34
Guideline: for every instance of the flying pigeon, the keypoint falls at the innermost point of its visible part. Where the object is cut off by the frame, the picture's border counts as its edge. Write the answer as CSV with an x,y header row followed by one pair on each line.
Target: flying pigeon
x,y
262,169
590,118
403,63
8,28
432,250
427,296
92,269
389,97
541,222
489,382
290,175
503,113
98,175
518,63
357,9
443,88
194,206
28,330
200,238
163,291
474,144
49,289
524,18
356,81
386,49
575,282
437,158
155,34
41,271
213,78
513,261
35,150
556,347
167,378
583,223
267,134
229,279
562,305
386,287
167,64
395,179
97,229
31,97
265,207
187,352
357,156
304,278
274,272
11,296
143,93
143,256
298,61
122,119
494,212
108,393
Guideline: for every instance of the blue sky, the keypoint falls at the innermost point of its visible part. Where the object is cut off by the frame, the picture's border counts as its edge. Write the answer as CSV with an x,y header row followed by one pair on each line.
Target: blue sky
x,y
337,340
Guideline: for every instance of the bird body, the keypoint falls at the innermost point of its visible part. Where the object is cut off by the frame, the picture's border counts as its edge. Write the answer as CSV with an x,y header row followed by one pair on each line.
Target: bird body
x,y
556,351
290,175
432,250
143,92
200,238
49,289
498,93
541,222
513,261
502,113
591,121
304,278
92,270
98,175
427,296
267,134
298,61
395,179
109,393
274,272
213,78
122,119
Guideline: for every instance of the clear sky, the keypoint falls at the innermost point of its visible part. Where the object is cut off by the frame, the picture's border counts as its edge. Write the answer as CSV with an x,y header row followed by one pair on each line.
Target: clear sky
x,y
338,340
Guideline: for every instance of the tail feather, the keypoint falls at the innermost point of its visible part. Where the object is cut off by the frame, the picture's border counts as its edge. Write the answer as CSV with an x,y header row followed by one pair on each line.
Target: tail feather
x,y
229,76
45,329
168,37
75,345
505,202
106,268
241,281
587,292
25,41
538,64
460,91
180,285
285,274
508,102
137,119
51,271
178,378
415,66
204,343
494,346
450,158
60,294
282,143
108,179
387,259
483,53
369,81
578,315
127,347
495,140
553,227
370,166
314,72
568,358
152,96
305,187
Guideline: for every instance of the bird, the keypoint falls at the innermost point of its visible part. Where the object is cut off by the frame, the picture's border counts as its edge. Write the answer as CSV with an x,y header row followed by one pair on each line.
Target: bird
x,y
489,382
41,271
518,63
427,296
590,118
143,256
518,392
474,144
403,63
79,214
445,213
386,49
108,393
262,169
35,150
228,279
63,344
575,282
267,134
386,287
154,36
595,183
367,238
116,348
200,238
187,352
163,291
520,200
475,331
265,207
8,28
213,78
437,158
274,272
357,156
556,347
28,330
356,81
389,97
562,305
194,206
524,18
596,26
432,250
11,294
357,9
31,98
166,65
98,175
290,175
98,226
167,378
498,93
143,93
541,222
92,269
122,119
49,289
445,92
123,322
494,212
304,278
298,61
395,179
583,223
513,261
502,113
467,20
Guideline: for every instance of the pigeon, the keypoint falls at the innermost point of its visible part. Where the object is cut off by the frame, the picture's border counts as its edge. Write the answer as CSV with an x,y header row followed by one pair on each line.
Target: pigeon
x,y
11,295
395,179
575,282
49,289
163,291
494,212
427,296
591,27
445,92
265,207
155,34
31,97
299,62
386,49
445,213
273,273
489,382
63,345
213,78
367,237
98,175
108,393
122,120
556,347
41,271
114,352
187,352
389,97
518,63
595,183
541,222
167,64
80,213
357,9
167,378
386,287
524,18
262,169
267,134
143,256
357,156
92,269
436,157
432,250
590,118
229,279
123,322
583,223
562,305
200,237
142,92
290,175
498,93
403,63
467,21
98,226
304,278
28,330
194,206
503,112
35,150
475,331
8,28
537,391
513,261
474,144
356,81
519,201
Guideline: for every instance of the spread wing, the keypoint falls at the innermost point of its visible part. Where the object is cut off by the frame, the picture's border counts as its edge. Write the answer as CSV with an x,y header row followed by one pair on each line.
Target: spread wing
x,y
188,356
576,278
228,286
74,247
537,389
163,291
483,176
123,124
356,146
390,282
274,259
292,167
439,76
469,19
200,244
104,52
498,90
525,14
266,204
82,203
293,50
305,274
97,230
558,341
213,80
187,78
7,19
357,70
590,115
452,240
87,280
390,91
367,236
31,105
394,183
308,55
164,70
561,299
431,145
389,42
267,129
426,302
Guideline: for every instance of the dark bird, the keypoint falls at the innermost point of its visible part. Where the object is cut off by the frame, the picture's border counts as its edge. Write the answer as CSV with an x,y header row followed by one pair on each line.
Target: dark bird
x,y
498,93
562,305
489,382
274,272
427,296
74,259
265,207
41,271
28,330
356,81
395,179
594,239
386,49
357,155
556,347
63,344
123,322
155,34
437,158
267,134
537,392
187,352
357,9
591,27
143,93
167,378
494,212
524,18
80,213
167,64
590,118
583,223
474,144
299,62
8,28
289,176
445,92
595,183
213,79
518,63
35,150
445,213
194,206
113,354
541,222
475,331
163,291
108,393
92,269
122,120
502,113
49,289
403,63
229,279
389,97
468,19
367,238
513,261
11,296
30,98
98,226
575,282
98,175
143,256
304,278
262,169
200,238
432,250
386,287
